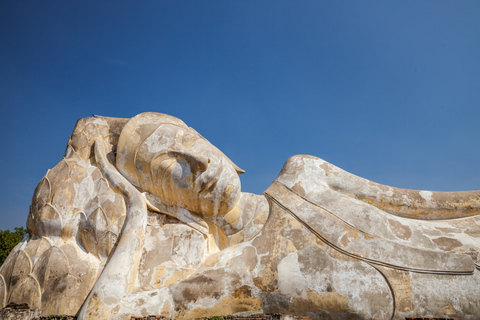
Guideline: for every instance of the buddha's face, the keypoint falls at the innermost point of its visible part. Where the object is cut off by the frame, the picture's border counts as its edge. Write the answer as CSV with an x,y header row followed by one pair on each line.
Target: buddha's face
x,y
180,167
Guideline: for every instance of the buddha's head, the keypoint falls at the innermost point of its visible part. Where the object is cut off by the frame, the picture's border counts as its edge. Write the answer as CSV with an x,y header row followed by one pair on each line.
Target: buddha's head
x,y
161,155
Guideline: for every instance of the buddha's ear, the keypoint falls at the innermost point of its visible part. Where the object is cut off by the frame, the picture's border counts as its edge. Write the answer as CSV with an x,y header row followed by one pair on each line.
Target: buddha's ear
x,y
237,168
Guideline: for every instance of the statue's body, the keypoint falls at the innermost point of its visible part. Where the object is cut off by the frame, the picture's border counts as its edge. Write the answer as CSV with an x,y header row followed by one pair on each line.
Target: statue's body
x,y
144,216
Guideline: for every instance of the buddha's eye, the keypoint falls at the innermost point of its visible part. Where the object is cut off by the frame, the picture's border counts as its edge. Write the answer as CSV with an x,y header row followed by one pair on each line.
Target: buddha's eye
x,y
195,161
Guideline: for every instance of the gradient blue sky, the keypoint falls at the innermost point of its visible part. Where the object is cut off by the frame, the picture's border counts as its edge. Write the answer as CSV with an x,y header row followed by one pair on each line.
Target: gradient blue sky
x,y
387,90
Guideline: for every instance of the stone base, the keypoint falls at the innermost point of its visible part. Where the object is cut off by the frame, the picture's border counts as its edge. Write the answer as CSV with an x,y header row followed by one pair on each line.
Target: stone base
x,y
260,316
19,314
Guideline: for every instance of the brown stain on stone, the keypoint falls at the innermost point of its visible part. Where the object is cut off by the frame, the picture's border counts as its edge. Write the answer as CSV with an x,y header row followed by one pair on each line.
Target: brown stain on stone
x,y
400,230
447,244
217,234
266,281
368,237
290,167
344,241
261,218
236,238
335,254
159,273
228,190
188,141
401,285
167,306
226,306
248,259
447,230
233,216
242,292
276,245
179,275
326,167
298,188
140,302
290,247
210,261
319,243
444,205
449,310
331,302
299,239
97,309
473,231
352,234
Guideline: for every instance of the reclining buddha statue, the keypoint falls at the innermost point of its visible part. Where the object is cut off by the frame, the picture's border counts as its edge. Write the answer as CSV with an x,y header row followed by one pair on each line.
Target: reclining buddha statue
x,y
144,216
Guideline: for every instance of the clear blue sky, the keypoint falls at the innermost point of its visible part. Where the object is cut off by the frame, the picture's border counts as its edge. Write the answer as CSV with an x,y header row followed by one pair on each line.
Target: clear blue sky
x,y
387,90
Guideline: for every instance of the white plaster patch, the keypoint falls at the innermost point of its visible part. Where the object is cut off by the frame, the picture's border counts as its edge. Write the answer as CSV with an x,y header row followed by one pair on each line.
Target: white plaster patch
x,y
121,160
259,267
467,240
290,278
68,151
226,257
100,122
83,163
83,192
427,195
159,140
297,161
188,250
152,242
406,200
109,195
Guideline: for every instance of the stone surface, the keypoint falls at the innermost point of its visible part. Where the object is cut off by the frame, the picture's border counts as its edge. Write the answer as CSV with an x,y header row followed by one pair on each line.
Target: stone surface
x,y
144,216
19,314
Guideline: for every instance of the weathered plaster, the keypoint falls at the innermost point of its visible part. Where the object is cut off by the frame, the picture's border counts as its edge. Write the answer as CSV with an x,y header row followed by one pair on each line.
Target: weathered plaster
x,y
144,216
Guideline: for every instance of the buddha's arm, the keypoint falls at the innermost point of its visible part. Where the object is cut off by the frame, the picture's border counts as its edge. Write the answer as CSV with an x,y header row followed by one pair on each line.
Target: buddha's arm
x,y
414,204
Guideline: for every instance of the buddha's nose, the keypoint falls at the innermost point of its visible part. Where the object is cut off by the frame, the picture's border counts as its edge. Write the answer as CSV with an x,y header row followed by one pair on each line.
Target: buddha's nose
x,y
197,163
